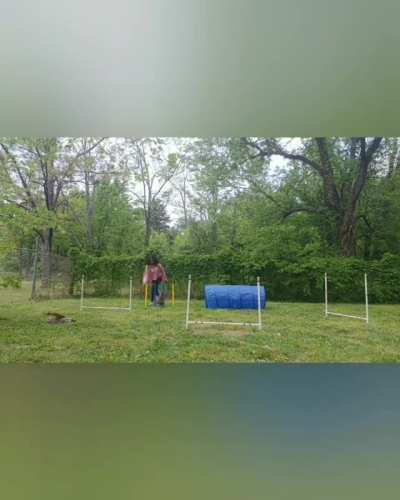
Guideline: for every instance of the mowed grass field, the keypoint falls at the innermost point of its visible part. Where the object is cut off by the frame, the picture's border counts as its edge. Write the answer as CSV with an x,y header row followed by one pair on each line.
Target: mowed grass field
x,y
292,332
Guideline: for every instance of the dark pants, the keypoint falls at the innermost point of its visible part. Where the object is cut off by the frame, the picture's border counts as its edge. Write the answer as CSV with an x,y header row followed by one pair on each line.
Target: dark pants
x,y
155,291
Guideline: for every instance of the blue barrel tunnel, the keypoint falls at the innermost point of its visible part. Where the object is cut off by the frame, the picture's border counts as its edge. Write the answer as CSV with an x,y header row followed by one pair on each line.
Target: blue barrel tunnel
x,y
234,297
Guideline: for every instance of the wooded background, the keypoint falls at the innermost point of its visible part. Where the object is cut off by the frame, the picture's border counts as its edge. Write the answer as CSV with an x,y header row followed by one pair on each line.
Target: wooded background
x,y
223,209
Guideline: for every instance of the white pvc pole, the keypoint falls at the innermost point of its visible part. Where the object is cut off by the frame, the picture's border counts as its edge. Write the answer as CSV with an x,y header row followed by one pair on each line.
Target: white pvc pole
x,y
259,302
130,294
366,298
221,323
108,308
347,316
326,295
82,285
188,301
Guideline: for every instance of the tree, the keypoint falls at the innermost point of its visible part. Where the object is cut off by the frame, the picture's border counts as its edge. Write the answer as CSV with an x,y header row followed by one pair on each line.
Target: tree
x,y
210,167
343,166
153,169
159,218
104,163
35,175
181,186
379,215
392,147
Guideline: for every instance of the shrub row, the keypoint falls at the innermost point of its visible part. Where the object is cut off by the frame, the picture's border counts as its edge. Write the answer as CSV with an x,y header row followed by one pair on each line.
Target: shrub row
x,y
285,281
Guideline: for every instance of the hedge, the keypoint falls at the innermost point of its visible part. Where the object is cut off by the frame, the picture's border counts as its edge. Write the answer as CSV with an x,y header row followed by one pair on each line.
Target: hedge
x,y
285,281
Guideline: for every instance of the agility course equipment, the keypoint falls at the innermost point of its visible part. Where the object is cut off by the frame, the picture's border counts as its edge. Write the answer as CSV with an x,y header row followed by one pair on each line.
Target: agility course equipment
x,y
363,318
229,297
233,297
83,306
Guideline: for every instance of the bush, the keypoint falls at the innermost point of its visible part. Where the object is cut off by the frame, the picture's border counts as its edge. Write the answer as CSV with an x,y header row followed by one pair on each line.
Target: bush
x,y
10,282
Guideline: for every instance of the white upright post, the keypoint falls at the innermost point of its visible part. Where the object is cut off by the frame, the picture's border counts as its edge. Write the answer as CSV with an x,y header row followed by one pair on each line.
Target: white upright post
x,y
130,294
259,303
188,301
326,295
366,298
82,285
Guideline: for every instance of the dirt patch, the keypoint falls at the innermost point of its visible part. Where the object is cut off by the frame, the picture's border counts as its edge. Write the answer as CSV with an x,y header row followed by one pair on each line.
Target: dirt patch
x,y
237,333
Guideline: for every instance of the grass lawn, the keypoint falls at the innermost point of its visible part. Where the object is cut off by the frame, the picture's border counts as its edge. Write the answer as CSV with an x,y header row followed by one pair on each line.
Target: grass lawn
x,y
292,332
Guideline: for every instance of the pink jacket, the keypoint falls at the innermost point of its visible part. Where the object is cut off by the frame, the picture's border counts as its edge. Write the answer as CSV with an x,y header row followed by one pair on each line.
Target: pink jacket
x,y
154,273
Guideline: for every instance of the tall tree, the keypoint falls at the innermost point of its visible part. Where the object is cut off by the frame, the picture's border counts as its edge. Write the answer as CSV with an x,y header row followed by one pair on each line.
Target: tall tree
x,y
181,187
103,163
37,172
153,170
392,145
159,218
342,187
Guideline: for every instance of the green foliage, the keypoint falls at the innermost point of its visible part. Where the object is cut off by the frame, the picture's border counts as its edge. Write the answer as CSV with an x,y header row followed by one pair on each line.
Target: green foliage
x,y
117,226
159,219
10,282
285,280
107,273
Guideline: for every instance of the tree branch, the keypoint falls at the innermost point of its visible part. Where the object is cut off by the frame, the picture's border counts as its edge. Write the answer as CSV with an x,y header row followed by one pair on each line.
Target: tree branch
x,y
277,150
20,175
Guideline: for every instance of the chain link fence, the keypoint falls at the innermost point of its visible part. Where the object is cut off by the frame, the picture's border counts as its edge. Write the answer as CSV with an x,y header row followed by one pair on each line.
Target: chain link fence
x,y
36,274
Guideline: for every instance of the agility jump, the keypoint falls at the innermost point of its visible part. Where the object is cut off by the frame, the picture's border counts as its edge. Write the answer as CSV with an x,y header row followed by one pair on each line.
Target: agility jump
x,y
230,297
363,318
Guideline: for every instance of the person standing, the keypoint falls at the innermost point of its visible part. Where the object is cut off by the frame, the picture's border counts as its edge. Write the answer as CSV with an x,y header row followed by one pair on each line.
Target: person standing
x,y
155,275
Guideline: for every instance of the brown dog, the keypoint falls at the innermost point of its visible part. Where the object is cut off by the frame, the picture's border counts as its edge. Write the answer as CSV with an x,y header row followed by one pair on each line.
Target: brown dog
x,y
55,318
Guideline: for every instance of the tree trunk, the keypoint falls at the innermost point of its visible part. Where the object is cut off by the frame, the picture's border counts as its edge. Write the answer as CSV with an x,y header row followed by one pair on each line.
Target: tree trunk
x,y
34,271
47,244
348,234
393,156
214,234
147,232
89,212
184,204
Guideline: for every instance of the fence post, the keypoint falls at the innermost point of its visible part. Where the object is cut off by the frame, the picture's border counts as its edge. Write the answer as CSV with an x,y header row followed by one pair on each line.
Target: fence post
x,y
259,303
82,285
188,301
366,299
34,274
326,295
130,294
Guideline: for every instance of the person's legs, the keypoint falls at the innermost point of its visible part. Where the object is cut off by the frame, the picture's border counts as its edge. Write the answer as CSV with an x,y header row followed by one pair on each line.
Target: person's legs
x,y
161,294
154,292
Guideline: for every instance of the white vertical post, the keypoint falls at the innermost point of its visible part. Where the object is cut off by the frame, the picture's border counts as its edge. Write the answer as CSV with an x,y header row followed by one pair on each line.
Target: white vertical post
x,y
130,294
366,298
259,302
326,295
188,301
82,285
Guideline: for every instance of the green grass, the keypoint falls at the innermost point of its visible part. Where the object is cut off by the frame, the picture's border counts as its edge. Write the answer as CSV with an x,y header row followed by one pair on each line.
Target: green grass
x,y
291,332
